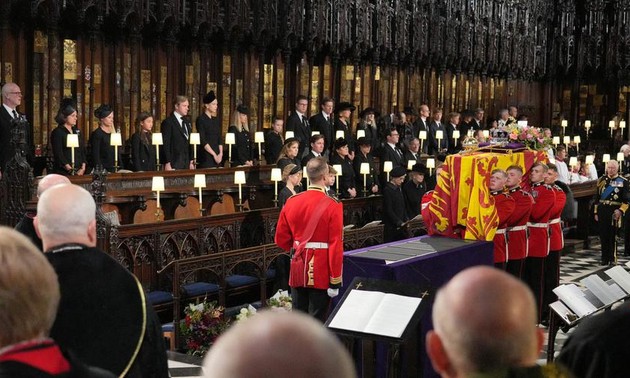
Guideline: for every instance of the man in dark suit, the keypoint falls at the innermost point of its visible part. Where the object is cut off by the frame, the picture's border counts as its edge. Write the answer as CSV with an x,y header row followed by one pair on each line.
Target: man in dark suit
x,y
298,123
477,121
451,125
11,99
394,211
422,124
324,122
176,129
317,149
412,153
437,129
391,152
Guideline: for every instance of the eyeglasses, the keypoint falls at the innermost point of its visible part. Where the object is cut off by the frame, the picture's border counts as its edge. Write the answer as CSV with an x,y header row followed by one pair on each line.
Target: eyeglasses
x,y
16,93
393,134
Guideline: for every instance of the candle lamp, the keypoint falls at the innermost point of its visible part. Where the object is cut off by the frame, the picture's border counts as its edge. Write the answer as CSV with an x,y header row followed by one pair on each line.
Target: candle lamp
x,y
422,136
564,125
556,141
72,141
230,140
410,164
521,123
340,134
587,126
276,175
305,175
314,132
387,167
259,138
430,165
157,186
156,140
116,141
611,126
289,134
439,134
337,168
365,170
573,161
486,134
566,139
620,157
195,140
577,140
605,158
200,183
589,159
239,179
360,134
455,136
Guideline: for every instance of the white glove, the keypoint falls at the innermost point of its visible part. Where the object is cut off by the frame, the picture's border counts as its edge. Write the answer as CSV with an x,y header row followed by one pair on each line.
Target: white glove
x,y
333,292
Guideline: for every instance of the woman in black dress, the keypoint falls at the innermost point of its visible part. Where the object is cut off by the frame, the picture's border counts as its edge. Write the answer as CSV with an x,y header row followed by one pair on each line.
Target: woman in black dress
x,y
62,156
342,123
288,154
346,180
211,147
242,152
292,176
142,148
100,140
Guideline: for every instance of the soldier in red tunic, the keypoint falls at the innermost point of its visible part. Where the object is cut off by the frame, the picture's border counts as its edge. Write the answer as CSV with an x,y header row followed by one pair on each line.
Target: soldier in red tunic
x,y
517,224
538,228
556,243
504,205
311,226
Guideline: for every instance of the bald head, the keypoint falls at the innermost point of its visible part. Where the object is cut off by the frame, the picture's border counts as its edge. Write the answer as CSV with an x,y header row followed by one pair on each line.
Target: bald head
x,y
49,181
278,345
66,213
484,320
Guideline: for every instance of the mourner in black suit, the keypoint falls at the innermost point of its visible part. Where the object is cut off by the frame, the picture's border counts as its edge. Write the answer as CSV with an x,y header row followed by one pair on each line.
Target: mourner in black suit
x,y
9,117
176,130
368,125
412,153
422,124
211,147
142,150
317,148
100,140
273,141
346,182
242,152
324,123
452,125
437,146
394,211
342,123
364,156
391,152
414,189
62,155
298,123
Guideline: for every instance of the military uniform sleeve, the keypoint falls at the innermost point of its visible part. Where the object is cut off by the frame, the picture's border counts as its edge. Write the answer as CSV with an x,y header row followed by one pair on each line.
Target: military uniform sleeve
x,y
283,237
335,245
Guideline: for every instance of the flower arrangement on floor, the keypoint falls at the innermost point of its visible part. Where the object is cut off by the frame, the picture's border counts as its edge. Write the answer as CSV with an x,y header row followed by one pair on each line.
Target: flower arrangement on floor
x,y
281,301
203,323
532,137
246,312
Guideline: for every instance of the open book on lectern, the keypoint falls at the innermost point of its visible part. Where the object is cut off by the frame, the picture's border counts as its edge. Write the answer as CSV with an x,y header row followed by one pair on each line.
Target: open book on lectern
x,y
379,308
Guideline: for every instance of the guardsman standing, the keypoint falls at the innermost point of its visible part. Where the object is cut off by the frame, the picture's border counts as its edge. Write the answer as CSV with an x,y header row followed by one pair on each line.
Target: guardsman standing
x,y
556,242
611,203
517,224
311,226
504,204
538,228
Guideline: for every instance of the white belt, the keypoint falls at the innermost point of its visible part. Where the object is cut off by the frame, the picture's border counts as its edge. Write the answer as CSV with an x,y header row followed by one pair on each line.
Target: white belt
x,y
517,228
500,231
316,245
537,225
554,221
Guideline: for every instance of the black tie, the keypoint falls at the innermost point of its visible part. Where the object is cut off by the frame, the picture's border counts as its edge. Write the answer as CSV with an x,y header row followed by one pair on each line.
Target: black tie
x,y
398,151
15,114
184,126
304,122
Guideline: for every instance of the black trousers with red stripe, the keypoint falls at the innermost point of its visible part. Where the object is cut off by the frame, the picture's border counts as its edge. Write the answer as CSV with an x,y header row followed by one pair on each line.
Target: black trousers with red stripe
x,y
533,275
551,281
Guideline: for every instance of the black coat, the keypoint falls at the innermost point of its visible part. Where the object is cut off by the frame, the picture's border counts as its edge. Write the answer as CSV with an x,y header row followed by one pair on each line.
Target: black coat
x,y
102,151
413,197
418,126
452,148
394,212
347,178
309,156
6,151
325,127
283,162
176,148
340,126
209,133
273,146
370,179
242,151
409,156
142,154
372,134
301,132
390,154
62,155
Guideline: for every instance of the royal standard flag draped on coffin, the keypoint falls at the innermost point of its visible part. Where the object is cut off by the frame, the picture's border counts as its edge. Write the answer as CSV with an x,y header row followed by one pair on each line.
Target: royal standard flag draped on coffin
x,y
462,205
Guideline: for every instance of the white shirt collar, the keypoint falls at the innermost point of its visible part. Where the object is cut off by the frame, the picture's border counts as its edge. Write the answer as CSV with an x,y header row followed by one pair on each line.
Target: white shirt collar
x,y
9,110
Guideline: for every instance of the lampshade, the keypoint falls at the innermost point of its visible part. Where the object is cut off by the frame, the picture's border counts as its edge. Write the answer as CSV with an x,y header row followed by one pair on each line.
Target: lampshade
x,y
276,174
577,139
552,160
158,184
289,134
360,134
338,169
587,124
314,132
259,137
565,123
556,140
304,173
387,166
589,159
230,138
439,134
340,134
611,124
72,140
566,140
115,139
410,164
365,169
522,123
606,158
195,139
620,156
200,181
486,133
156,139
239,177
430,163
622,124
573,161
423,134
455,134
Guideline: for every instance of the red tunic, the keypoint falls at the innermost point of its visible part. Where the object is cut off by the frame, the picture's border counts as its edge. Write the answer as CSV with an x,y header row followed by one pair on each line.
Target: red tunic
x,y
556,241
538,225
505,206
323,266
517,224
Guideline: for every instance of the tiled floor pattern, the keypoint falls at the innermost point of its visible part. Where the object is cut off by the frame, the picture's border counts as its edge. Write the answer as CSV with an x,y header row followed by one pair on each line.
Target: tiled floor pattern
x,y
573,267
